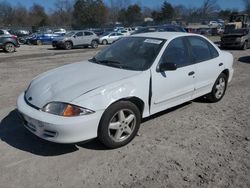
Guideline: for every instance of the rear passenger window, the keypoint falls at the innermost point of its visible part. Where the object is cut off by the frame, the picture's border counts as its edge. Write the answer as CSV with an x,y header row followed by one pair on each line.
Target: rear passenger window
x,y
1,32
213,51
177,53
88,33
201,51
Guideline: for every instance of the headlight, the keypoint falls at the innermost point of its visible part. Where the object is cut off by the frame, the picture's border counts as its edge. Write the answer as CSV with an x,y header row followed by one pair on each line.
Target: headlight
x,y
65,109
238,39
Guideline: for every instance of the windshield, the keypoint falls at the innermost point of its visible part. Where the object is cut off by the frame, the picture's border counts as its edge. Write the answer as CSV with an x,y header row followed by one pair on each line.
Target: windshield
x,y
240,31
69,34
132,53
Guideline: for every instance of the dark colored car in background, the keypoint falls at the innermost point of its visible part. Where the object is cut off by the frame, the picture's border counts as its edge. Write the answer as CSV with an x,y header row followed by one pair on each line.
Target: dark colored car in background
x,y
21,34
163,28
8,42
42,38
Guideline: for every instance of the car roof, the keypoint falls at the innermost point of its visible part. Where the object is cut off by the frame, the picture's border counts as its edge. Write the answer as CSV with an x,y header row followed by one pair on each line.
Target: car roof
x,y
164,35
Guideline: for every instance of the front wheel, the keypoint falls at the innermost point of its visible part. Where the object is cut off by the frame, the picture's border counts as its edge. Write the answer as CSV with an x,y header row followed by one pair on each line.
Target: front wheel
x,y
244,46
104,42
119,124
219,89
68,45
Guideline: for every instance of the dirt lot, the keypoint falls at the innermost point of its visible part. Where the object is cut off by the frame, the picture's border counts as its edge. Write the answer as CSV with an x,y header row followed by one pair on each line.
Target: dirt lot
x,y
197,144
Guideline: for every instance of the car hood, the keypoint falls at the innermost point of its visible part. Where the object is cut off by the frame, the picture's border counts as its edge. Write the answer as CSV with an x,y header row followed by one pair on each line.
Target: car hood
x,y
68,82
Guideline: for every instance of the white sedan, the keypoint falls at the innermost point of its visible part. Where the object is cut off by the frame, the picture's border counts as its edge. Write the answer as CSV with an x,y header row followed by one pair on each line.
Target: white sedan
x,y
108,95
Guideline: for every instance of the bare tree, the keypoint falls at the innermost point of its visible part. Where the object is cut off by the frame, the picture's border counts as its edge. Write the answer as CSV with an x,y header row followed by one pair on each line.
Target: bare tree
x,y
247,6
62,14
5,14
208,7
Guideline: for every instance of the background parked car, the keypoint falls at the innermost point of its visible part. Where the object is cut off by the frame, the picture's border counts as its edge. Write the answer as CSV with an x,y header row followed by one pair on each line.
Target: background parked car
x,y
21,34
214,24
163,28
42,38
76,38
124,32
8,42
60,31
108,38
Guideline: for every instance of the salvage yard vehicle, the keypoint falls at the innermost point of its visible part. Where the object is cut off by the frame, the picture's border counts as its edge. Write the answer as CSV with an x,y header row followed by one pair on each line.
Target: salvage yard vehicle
x,y
8,42
238,38
75,39
136,77
109,38
236,32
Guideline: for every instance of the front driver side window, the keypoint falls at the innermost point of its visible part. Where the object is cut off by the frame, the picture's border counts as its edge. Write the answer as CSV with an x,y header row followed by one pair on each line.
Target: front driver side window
x,y
176,53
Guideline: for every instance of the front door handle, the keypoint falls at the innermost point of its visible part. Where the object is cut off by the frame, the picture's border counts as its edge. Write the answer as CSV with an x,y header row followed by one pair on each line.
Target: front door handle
x,y
220,64
191,73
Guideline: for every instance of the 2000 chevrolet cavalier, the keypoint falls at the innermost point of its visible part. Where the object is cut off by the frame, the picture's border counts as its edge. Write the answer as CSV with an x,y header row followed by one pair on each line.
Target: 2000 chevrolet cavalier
x,y
138,76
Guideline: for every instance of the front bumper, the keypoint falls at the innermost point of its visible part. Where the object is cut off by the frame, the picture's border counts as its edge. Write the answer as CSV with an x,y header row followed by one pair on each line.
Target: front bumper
x,y
232,44
57,128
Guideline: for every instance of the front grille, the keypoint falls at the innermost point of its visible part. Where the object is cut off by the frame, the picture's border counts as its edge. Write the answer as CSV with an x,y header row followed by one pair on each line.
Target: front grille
x,y
48,133
29,126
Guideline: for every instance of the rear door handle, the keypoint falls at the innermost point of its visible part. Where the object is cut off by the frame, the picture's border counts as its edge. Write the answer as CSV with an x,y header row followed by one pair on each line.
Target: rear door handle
x,y
191,73
220,64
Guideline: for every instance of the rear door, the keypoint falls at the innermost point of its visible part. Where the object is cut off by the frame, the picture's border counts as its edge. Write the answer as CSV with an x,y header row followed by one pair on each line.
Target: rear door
x,y
209,64
1,37
88,37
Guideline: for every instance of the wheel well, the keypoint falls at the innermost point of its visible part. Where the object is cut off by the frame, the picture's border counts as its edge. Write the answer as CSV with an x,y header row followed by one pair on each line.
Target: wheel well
x,y
9,42
226,72
69,41
137,101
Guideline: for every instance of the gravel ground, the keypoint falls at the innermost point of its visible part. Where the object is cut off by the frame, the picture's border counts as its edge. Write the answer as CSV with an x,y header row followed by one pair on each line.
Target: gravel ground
x,y
197,144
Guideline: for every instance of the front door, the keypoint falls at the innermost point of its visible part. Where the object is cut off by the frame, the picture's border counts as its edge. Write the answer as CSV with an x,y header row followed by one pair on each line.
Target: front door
x,y
173,87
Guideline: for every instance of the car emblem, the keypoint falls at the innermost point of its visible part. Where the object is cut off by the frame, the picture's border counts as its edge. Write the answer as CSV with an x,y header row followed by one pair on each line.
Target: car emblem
x,y
30,98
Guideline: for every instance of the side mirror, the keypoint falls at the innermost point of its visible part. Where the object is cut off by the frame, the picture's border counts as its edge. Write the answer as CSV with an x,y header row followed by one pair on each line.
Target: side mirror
x,y
167,66
74,36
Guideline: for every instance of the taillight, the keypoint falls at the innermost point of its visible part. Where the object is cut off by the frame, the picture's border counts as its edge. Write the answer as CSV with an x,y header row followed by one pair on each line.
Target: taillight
x,y
14,36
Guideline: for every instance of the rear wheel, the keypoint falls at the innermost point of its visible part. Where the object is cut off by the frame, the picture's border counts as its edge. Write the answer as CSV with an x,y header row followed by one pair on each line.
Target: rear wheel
x,y
9,47
219,89
94,44
68,45
38,42
119,124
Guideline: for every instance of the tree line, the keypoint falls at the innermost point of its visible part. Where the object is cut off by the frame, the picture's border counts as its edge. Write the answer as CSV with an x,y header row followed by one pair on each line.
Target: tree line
x,y
95,13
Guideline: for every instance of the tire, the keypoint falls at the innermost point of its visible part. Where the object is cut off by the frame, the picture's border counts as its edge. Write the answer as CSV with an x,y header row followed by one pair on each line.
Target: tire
x,y
94,44
119,124
219,89
21,40
244,46
104,42
68,45
9,47
38,42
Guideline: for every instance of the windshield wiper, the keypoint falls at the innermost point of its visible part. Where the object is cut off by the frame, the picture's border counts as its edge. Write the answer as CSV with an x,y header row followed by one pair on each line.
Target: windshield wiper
x,y
94,60
110,63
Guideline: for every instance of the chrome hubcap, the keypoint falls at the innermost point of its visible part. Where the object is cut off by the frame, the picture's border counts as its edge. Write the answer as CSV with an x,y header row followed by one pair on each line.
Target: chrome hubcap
x,y
220,88
122,125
